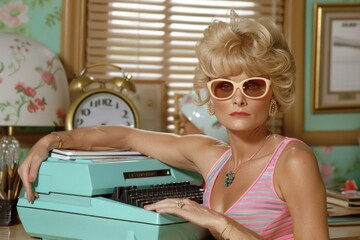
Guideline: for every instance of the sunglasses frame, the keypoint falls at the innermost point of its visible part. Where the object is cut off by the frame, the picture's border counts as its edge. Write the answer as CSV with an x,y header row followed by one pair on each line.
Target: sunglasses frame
x,y
240,86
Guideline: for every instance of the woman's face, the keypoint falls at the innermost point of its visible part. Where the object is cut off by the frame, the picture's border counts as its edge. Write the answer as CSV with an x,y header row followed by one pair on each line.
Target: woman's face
x,y
240,113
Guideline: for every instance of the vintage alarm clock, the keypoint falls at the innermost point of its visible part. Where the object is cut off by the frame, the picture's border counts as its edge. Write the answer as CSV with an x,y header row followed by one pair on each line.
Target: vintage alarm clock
x,y
101,102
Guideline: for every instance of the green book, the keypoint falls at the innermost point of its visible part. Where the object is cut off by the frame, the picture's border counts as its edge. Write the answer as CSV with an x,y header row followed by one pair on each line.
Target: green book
x,y
344,220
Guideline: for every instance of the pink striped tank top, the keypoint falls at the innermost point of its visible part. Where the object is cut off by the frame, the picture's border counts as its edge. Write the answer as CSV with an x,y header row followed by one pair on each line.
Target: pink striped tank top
x,y
259,208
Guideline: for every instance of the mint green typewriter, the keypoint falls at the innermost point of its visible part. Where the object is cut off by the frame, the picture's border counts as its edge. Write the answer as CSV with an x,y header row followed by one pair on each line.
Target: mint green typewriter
x,y
92,199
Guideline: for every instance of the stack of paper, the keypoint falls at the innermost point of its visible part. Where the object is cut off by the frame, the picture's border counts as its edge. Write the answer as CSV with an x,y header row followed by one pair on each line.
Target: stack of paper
x,y
343,207
347,199
65,154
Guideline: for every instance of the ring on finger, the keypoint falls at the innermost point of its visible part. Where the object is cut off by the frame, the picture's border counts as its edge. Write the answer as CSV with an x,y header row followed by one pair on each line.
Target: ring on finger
x,y
180,204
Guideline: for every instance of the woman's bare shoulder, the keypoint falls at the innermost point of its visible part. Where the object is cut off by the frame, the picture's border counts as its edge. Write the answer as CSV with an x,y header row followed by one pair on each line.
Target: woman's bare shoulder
x,y
297,160
297,170
297,150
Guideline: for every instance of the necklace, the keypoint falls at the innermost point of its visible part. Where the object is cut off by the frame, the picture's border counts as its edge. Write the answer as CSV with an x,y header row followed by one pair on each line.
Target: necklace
x,y
230,175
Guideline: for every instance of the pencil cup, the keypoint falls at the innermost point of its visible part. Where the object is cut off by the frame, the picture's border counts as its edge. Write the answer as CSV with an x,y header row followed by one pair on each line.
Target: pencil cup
x,y
8,212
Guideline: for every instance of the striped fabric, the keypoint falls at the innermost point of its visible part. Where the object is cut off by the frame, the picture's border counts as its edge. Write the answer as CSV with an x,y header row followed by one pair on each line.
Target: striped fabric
x,y
259,209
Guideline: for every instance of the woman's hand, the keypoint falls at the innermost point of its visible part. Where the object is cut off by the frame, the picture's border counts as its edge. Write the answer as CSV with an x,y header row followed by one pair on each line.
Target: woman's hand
x,y
191,211
28,170
204,217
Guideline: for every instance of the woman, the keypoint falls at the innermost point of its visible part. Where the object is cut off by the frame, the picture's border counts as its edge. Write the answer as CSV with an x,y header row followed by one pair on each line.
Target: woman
x,y
260,185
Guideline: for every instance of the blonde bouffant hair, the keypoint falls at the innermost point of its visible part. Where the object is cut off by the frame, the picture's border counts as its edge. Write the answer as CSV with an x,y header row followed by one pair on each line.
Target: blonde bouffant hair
x,y
254,47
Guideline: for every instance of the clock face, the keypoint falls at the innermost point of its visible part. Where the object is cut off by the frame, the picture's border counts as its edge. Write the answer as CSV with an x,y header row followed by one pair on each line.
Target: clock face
x,y
103,108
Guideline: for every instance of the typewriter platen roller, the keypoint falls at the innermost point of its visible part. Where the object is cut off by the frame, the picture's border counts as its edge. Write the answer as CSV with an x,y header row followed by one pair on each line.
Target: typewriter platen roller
x,y
82,199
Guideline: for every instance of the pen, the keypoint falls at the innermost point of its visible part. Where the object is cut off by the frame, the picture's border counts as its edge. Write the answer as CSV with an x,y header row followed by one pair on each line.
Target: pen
x,y
17,184
4,177
11,177
3,194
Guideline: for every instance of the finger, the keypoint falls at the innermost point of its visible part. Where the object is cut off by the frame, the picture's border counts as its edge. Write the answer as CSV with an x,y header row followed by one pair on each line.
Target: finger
x,y
160,204
29,192
34,167
28,173
167,205
23,173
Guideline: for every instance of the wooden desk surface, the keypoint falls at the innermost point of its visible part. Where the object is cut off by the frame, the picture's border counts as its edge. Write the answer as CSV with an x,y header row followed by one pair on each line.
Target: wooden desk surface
x,y
14,232
337,233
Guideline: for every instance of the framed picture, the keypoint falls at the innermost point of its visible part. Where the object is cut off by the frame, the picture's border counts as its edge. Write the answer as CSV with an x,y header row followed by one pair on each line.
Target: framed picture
x,y
150,101
300,25
336,69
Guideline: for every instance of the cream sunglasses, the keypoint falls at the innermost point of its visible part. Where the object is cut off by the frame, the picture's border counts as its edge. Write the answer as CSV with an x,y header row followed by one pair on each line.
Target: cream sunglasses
x,y
253,88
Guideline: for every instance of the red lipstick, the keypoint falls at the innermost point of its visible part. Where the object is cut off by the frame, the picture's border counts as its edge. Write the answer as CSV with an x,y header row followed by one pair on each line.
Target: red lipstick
x,y
239,114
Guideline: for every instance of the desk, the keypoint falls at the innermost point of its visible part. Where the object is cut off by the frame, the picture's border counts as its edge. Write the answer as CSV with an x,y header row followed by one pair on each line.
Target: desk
x,y
17,232
14,232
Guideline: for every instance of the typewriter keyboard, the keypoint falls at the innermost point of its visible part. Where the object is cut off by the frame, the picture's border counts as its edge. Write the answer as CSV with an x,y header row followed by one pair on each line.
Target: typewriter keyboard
x,y
142,196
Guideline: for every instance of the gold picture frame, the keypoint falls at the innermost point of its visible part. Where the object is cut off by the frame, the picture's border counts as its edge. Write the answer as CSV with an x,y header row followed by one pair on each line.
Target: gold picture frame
x,y
149,100
294,123
336,79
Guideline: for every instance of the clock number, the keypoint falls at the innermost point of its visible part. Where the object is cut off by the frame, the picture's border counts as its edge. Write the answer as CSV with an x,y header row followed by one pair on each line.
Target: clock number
x,y
126,114
85,112
107,102
95,103
79,121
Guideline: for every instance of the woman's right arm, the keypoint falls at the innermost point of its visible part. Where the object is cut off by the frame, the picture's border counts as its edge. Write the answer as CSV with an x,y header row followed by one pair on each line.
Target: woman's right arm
x,y
181,152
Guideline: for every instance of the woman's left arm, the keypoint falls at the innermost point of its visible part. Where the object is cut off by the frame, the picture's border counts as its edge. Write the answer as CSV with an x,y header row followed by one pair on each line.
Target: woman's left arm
x,y
299,183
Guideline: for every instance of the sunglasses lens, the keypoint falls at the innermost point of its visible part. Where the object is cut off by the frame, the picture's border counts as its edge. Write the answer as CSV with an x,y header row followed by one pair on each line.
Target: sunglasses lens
x,y
222,89
254,87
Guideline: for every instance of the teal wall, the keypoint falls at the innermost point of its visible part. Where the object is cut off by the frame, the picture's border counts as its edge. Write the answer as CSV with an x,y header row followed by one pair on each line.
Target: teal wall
x,y
337,163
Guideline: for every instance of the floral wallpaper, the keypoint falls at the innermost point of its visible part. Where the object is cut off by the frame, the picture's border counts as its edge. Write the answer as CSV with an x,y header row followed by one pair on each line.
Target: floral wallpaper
x,y
338,164
25,54
37,19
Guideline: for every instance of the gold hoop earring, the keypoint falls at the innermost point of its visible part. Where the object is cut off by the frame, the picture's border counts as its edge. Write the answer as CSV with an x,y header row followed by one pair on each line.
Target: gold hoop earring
x,y
273,107
210,108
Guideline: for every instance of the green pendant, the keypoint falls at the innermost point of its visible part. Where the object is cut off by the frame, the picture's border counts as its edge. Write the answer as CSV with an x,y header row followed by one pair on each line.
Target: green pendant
x,y
229,178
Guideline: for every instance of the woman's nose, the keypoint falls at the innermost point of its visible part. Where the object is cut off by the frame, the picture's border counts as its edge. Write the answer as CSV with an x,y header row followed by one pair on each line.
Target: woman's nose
x,y
239,98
